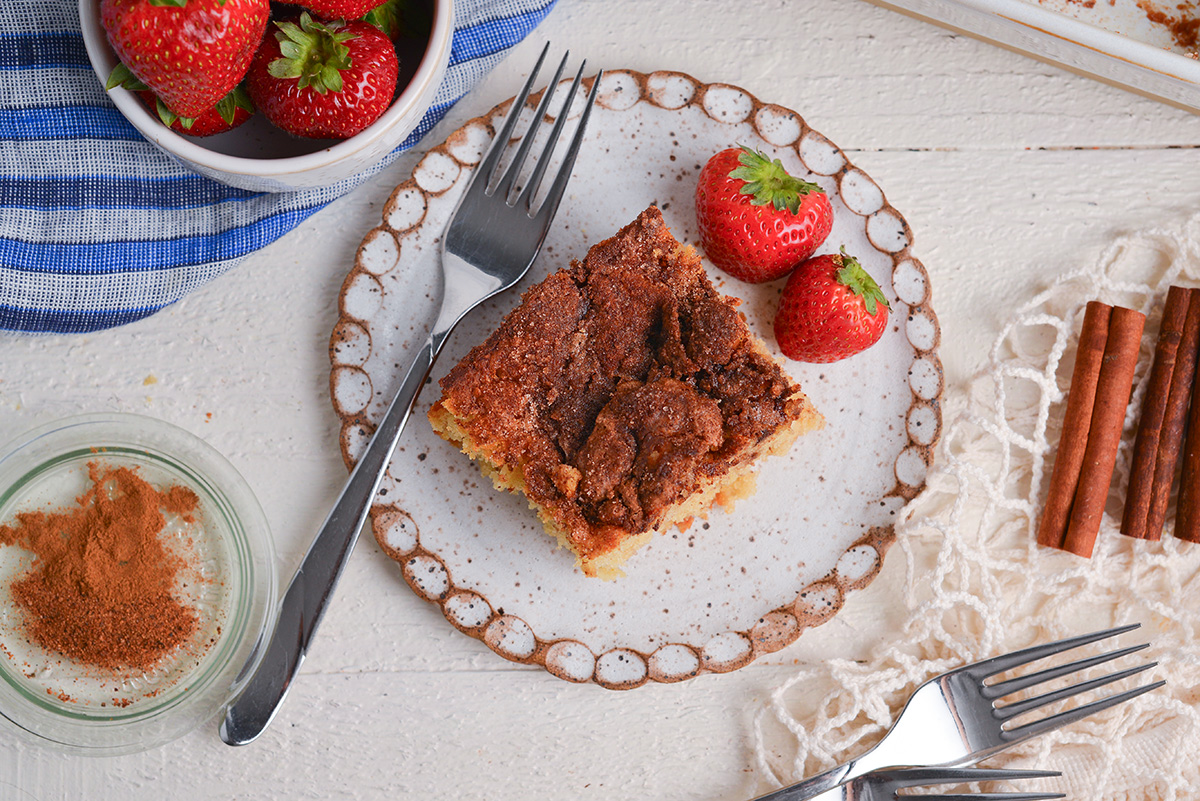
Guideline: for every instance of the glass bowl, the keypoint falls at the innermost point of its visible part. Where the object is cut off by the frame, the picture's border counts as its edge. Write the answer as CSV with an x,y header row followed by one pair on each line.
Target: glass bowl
x,y
229,580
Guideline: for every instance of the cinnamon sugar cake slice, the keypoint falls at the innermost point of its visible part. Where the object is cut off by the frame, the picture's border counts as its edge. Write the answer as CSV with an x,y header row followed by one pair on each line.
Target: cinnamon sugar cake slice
x,y
624,395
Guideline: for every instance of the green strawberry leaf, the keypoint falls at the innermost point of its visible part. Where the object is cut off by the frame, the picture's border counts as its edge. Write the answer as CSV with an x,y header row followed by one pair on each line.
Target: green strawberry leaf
x,y
852,275
122,76
389,17
330,77
168,117
313,52
228,105
769,183
172,3
226,108
401,19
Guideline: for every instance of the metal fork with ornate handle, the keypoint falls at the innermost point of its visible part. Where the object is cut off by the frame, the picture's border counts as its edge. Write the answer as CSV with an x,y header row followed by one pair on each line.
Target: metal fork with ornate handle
x,y
954,719
885,785
492,238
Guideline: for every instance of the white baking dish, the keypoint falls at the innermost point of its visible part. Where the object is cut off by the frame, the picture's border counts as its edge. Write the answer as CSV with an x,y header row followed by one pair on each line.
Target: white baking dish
x,y
1117,41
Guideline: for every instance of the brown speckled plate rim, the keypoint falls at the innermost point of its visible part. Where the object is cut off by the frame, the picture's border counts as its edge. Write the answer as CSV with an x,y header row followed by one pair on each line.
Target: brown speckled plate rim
x,y
672,661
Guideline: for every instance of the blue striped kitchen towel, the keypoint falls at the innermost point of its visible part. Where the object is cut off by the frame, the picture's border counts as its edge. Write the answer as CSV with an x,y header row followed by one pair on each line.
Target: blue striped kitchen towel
x,y
97,227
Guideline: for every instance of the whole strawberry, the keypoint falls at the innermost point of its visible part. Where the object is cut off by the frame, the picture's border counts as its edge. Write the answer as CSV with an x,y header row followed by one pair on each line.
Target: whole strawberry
x,y
830,309
231,111
333,9
323,80
190,53
756,221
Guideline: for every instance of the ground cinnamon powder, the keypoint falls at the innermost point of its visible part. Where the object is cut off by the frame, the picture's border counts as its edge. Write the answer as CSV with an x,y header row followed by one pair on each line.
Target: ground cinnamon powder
x,y
100,589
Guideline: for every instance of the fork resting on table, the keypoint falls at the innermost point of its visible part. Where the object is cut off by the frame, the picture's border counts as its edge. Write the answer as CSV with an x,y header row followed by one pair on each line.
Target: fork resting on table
x,y
954,719
493,236
885,785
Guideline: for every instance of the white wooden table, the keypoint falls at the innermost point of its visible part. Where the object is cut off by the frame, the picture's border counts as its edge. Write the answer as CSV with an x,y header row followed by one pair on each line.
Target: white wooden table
x,y
1007,169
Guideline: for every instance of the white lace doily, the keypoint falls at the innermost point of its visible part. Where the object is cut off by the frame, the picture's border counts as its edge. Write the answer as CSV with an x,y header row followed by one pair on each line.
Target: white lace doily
x,y
976,584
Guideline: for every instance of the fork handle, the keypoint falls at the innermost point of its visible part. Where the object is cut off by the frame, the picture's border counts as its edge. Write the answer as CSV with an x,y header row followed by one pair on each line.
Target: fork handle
x,y
819,786
310,589
813,787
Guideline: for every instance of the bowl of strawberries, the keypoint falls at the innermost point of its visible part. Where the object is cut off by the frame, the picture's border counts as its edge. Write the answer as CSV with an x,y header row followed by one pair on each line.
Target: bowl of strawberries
x,y
268,96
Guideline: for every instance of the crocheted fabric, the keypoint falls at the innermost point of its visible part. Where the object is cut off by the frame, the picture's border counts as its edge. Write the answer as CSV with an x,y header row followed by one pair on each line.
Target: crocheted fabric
x,y
976,584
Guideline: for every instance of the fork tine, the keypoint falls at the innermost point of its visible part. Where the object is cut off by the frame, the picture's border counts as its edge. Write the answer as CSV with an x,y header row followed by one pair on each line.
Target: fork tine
x,y
982,797
505,185
918,777
550,205
491,159
1029,704
1024,732
999,664
539,169
1003,688
915,777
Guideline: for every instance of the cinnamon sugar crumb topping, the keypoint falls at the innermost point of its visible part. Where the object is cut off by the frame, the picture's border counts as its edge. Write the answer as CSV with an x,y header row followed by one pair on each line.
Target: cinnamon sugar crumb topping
x,y
618,384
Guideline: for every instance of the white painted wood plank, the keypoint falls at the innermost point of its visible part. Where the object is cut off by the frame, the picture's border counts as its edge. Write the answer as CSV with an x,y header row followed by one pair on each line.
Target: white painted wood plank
x,y
454,735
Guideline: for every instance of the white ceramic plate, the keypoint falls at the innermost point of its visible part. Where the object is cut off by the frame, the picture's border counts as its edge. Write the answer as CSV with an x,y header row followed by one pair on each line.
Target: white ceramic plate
x,y
728,589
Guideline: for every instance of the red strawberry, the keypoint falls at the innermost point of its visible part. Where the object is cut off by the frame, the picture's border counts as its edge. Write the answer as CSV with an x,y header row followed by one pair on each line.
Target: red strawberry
x,y
830,309
230,111
323,80
332,9
190,53
756,221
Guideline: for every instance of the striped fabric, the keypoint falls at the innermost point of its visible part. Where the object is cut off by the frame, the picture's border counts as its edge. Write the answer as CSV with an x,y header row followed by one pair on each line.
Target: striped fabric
x,y
97,227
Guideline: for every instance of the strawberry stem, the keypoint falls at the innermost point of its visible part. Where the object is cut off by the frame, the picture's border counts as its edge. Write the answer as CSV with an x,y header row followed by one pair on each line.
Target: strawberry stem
x,y
852,275
313,52
769,182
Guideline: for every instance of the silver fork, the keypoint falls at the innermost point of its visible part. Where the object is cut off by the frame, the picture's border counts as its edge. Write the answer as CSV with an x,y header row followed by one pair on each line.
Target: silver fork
x,y
885,785
954,719
492,238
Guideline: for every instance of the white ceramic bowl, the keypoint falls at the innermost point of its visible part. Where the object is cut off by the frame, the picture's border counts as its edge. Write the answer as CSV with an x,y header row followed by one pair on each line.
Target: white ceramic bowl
x,y
259,157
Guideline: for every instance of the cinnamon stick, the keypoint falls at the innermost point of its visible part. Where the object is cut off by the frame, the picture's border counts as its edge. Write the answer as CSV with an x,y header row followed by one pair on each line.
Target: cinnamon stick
x,y
1187,506
1148,463
1081,396
1113,387
1175,421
